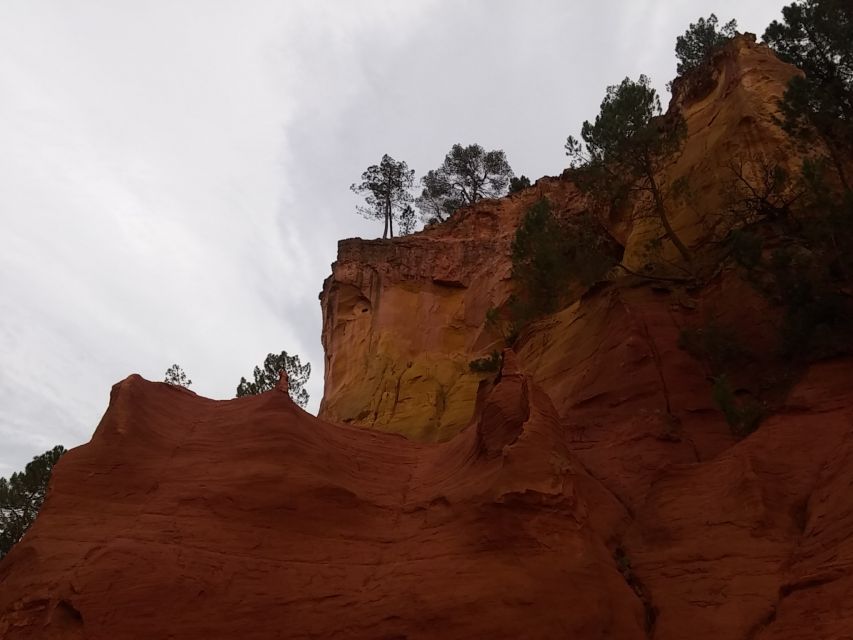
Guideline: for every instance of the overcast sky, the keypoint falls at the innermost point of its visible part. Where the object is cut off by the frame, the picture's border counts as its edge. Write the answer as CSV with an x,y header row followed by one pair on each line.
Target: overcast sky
x,y
174,174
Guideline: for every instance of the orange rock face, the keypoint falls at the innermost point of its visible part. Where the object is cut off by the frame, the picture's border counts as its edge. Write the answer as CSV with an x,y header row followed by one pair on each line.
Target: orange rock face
x,y
590,489
190,518
402,319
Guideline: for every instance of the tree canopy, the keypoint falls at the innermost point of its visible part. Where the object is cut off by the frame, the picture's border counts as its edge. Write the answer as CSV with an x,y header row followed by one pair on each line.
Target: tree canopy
x,y
386,190
408,222
817,36
22,495
519,184
266,378
176,376
467,175
623,150
698,43
548,253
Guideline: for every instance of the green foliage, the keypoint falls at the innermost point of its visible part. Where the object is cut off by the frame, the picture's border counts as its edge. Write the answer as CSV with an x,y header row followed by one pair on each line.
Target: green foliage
x,y
714,344
758,189
624,149
810,275
467,175
747,248
408,221
518,184
547,255
698,43
489,364
719,348
817,36
621,133
176,376
743,417
386,186
537,258
493,316
267,378
22,495
818,318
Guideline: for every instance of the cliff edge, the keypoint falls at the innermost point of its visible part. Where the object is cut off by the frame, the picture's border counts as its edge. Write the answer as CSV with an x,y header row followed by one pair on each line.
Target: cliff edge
x,y
402,319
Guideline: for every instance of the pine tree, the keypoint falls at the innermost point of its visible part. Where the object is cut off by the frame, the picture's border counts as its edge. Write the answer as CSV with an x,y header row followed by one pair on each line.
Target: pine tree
x,y
22,495
467,175
386,186
267,378
624,149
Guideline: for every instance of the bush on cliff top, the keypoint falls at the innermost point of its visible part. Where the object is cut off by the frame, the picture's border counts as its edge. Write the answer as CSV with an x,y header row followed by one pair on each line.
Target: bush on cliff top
x,y
22,495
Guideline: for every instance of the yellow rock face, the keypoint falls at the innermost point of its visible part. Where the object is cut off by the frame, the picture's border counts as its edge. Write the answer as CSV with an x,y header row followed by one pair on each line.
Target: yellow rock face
x,y
404,317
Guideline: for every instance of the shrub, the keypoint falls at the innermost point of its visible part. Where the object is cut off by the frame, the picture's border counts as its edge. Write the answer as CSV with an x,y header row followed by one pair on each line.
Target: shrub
x,y
518,184
810,275
746,248
743,417
22,495
489,364
549,255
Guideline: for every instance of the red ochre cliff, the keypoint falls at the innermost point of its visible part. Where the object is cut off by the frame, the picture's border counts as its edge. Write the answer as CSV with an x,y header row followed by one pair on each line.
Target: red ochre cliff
x,y
402,319
590,489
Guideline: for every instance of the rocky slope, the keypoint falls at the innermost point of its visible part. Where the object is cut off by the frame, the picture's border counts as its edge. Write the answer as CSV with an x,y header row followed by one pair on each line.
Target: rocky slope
x,y
191,518
591,489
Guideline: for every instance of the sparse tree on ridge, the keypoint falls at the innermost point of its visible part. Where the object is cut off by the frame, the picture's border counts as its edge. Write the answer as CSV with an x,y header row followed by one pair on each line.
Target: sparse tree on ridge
x,y
386,186
698,43
467,175
623,150
176,376
22,495
267,378
518,184
407,220
817,36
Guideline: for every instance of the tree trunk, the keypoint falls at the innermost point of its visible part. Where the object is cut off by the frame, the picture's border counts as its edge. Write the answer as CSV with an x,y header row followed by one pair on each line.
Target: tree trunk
x,y
387,218
664,219
839,165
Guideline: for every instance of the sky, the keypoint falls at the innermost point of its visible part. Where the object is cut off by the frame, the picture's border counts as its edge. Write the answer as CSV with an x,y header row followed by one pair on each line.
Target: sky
x,y
174,174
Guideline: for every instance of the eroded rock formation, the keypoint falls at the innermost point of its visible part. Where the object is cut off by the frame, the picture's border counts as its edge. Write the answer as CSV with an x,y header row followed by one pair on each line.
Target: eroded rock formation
x,y
190,518
589,489
402,319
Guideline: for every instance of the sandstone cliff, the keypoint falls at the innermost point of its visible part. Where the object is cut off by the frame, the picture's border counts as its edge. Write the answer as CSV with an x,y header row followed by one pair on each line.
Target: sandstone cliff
x,y
402,319
590,489
191,518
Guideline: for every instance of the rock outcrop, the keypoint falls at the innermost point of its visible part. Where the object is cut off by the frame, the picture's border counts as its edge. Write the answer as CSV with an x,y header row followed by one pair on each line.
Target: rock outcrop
x,y
588,489
402,319
191,518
